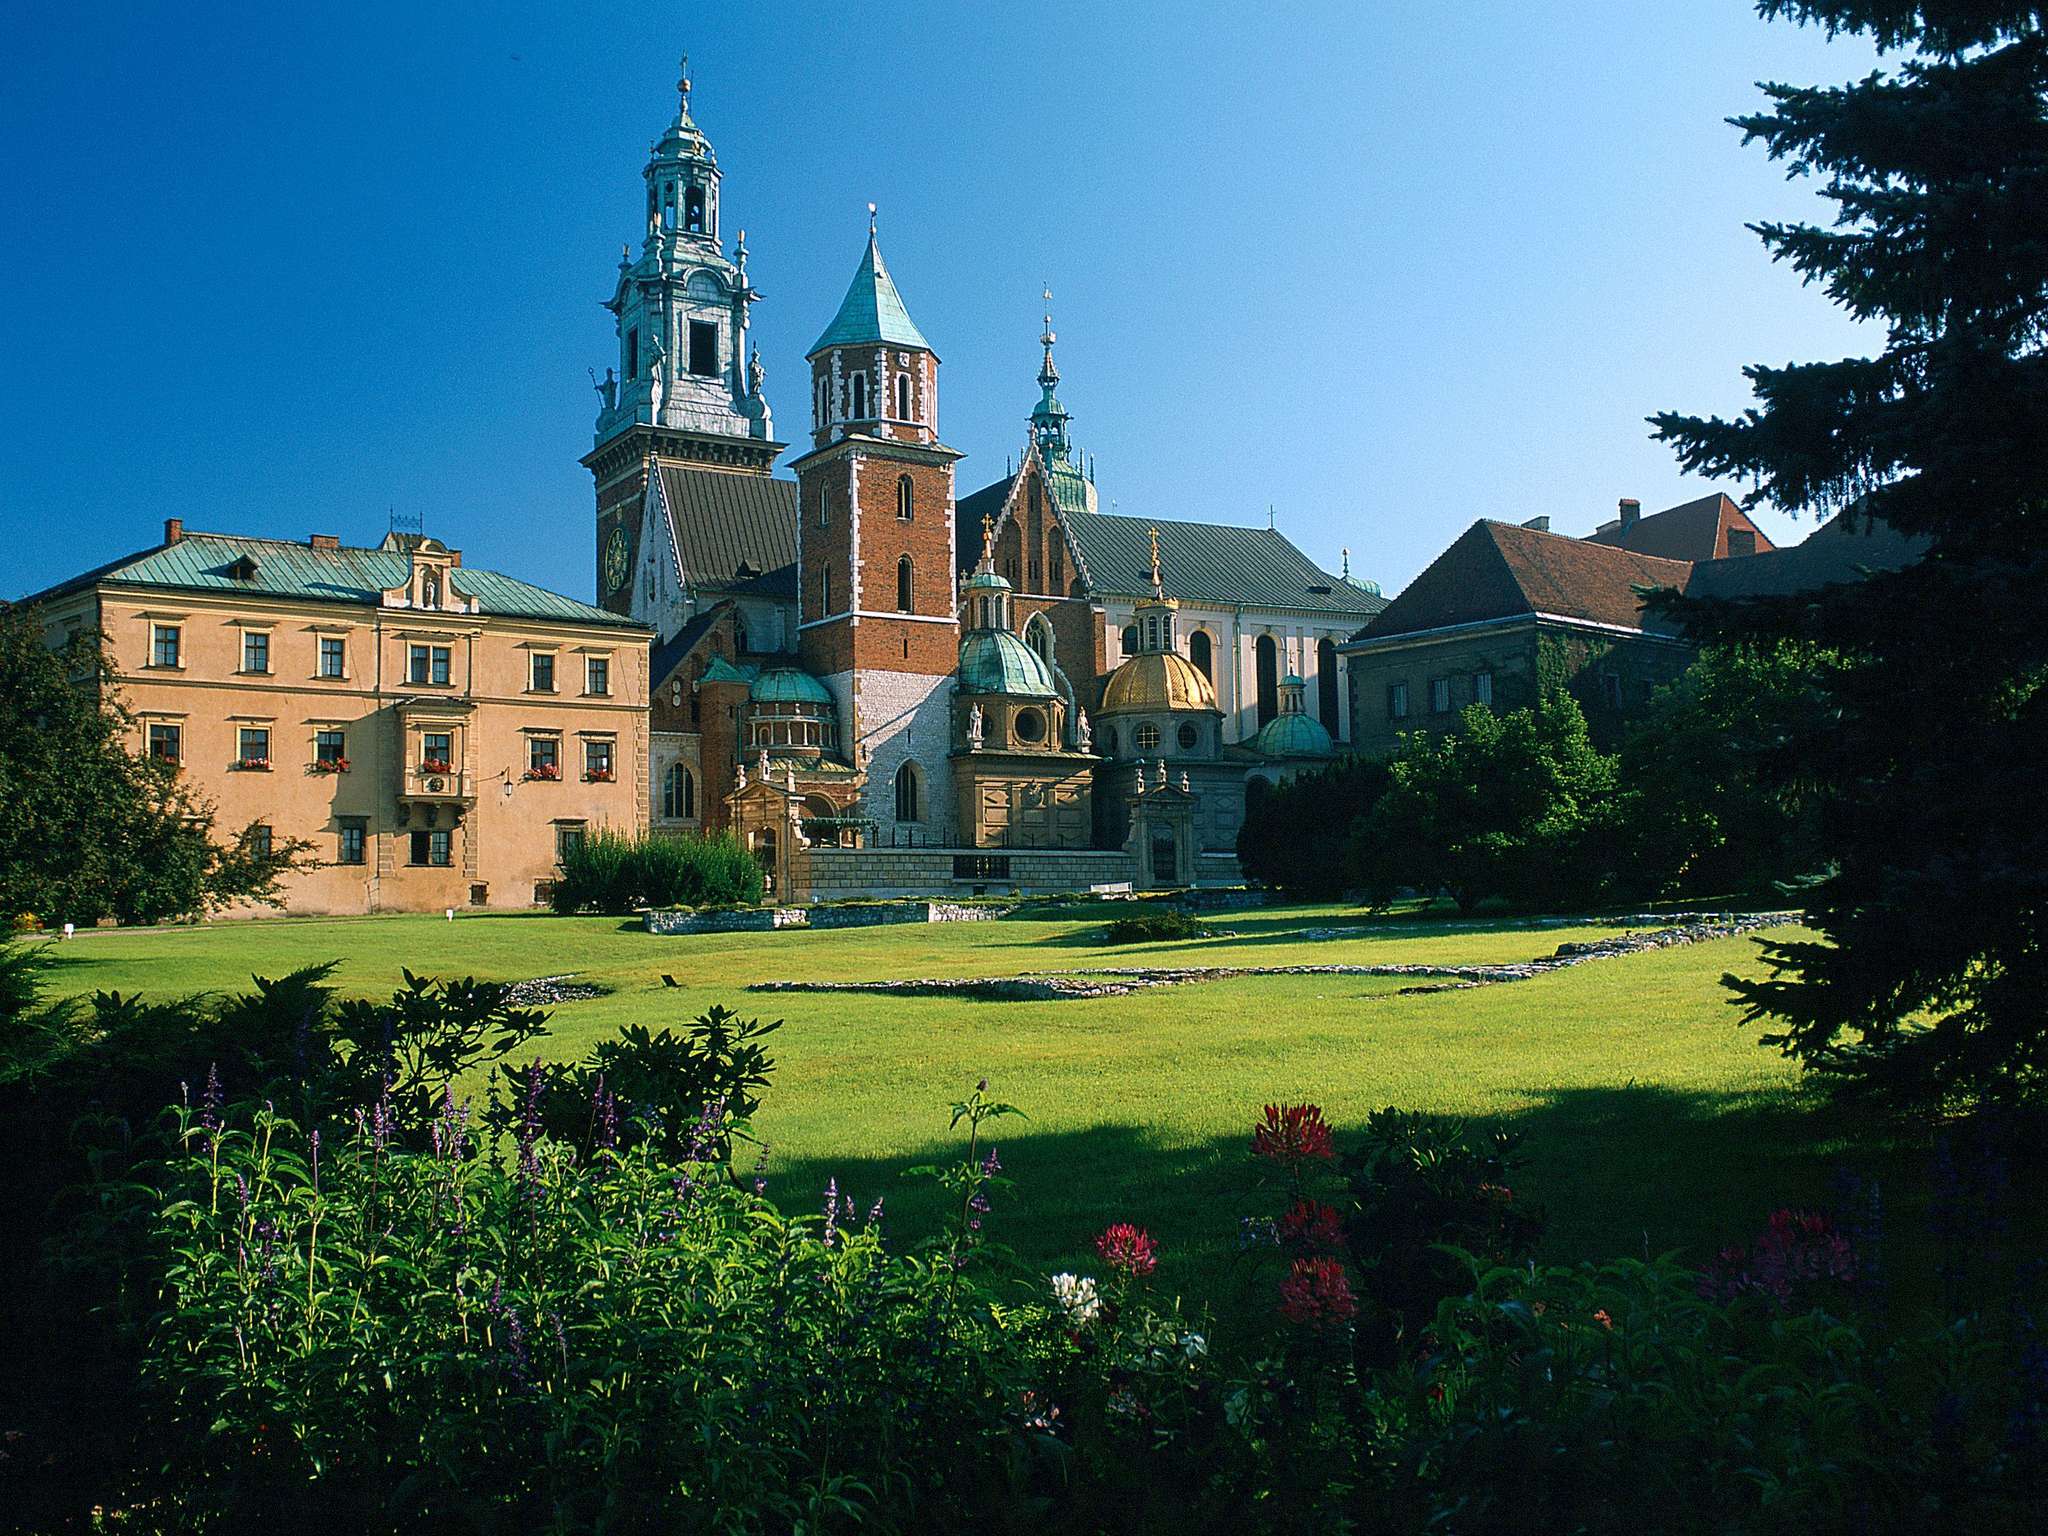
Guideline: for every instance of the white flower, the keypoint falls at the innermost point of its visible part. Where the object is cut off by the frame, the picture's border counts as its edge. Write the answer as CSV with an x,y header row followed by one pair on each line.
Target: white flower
x,y
1194,1346
1076,1298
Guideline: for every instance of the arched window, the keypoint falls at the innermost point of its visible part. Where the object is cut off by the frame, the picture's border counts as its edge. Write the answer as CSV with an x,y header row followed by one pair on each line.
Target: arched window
x,y
1058,568
693,210
824,509
860,397
824,400
1038,635
903,397
906,499
1201,654
905,582
739,635
1130,639
1326,683
678,794
908,794
1268,657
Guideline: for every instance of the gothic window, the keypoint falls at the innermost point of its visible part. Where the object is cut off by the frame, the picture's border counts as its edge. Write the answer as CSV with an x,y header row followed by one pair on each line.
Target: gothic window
x,y
904,584
903,397
678,794
908,794
1326,683
860,397
693,210
825,592
824,509
703,349
1058,581
633,354
824,403
1039,637
1267,655
1130,639
1202,655
906,500
739,636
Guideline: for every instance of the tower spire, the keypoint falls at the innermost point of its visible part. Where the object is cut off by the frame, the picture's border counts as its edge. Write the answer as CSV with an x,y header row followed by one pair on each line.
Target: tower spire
x,y
1049,373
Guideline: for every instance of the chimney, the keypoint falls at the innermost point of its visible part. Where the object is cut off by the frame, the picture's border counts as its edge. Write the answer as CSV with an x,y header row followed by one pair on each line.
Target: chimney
x,y
174,529
325,541
1539,524
1631,513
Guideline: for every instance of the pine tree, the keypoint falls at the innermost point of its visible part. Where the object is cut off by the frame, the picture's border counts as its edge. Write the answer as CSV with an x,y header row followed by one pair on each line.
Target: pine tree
x,y
1929,978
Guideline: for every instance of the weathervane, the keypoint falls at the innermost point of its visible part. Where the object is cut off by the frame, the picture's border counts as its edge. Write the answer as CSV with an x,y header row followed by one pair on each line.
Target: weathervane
x,y
871,218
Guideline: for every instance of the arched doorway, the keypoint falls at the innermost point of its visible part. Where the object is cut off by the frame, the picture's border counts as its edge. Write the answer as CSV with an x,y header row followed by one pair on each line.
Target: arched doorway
x,y
1165,856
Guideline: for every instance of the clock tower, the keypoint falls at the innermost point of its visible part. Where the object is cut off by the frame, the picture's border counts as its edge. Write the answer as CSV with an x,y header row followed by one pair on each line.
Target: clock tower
x,y
685,389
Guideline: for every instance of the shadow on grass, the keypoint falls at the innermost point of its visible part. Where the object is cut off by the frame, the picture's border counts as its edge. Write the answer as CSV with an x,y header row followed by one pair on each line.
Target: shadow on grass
x,y
1620,1172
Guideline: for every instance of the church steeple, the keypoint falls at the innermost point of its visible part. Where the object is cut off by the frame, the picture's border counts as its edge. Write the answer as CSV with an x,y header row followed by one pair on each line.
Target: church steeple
x,y
682,306
1070,478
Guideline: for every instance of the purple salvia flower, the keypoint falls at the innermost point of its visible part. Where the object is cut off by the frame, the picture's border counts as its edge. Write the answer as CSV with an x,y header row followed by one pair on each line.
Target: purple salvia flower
x,y
991,1165
605,1104
875,1211
831,1209
315,1143
242,1189
211,1100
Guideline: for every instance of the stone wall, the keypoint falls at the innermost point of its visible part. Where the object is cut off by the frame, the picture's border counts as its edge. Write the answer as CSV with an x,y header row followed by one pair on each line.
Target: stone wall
x,y
853,915
828,874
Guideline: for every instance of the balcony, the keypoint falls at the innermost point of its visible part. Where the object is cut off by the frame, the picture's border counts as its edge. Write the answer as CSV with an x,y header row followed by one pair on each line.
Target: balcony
x,y
433,784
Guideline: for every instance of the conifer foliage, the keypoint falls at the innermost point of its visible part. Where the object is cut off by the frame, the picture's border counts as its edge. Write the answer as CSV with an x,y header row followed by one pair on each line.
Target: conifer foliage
x,y
1929,976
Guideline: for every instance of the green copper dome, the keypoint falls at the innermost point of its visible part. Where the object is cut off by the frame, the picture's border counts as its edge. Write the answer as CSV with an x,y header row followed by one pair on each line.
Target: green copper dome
x,y
1293,736
996,661
786,685
986,581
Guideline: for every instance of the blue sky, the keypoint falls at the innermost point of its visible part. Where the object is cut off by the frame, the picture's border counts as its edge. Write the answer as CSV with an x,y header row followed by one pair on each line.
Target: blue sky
x,y
1387,268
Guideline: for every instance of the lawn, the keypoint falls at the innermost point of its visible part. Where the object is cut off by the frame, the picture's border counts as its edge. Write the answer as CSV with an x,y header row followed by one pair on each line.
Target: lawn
x,y
1653,1120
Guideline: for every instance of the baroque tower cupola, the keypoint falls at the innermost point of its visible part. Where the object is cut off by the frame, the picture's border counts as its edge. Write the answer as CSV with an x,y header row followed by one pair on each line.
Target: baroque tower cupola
x,y
1067,471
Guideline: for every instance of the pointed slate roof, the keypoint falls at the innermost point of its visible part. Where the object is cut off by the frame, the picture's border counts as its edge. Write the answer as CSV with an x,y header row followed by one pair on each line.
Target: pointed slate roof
x,y
872,310
1500,571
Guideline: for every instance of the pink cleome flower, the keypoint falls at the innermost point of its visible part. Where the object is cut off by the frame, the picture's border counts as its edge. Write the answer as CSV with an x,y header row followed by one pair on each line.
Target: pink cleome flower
x,y
1311,1224
1296,1134
1127,1249
1317,1292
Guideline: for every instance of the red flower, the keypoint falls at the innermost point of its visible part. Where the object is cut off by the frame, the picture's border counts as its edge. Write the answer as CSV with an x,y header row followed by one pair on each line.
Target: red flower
x,y
1293,1135
1128,1249
1317,1292
1311,1224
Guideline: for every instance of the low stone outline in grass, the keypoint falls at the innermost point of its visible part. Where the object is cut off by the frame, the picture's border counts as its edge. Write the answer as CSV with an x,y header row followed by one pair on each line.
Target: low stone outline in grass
x,y
1120,981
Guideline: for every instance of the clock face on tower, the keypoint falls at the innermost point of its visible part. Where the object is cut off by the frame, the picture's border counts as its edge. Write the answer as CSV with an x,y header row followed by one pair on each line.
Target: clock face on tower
x,y
615,560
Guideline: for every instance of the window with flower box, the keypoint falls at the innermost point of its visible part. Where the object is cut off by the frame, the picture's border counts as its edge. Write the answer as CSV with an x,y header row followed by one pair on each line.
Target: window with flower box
x,y
167,742
330,751
543,758
252,748
437,752
597,762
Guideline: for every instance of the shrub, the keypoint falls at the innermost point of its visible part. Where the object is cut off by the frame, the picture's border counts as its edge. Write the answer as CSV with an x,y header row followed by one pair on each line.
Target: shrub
x,y
1148,927
1271,847
613,873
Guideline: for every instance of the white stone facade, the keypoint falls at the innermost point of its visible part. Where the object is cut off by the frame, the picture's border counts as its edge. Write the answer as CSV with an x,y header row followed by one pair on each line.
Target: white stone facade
x,y
902,716
1233,638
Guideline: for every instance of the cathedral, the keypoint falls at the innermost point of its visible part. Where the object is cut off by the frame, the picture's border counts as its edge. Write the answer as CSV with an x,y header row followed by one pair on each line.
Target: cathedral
x,y
884,686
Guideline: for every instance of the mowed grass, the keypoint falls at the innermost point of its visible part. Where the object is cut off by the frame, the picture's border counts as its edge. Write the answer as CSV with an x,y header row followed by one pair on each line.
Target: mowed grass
x,y
1652,1120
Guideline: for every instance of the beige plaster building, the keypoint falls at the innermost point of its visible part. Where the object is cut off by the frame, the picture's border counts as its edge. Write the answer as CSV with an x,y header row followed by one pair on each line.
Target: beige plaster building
x,y
438,733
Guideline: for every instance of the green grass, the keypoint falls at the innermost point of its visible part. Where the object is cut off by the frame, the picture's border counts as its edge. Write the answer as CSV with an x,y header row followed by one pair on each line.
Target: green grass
x,y
1653,1120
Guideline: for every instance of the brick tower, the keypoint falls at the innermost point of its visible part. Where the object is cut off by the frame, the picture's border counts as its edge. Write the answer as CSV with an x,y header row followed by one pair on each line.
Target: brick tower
x,y
684,389
877,610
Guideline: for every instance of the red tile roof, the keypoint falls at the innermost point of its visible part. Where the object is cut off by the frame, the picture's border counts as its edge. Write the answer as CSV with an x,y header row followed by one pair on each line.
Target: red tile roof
x,y
1693,530
1498,571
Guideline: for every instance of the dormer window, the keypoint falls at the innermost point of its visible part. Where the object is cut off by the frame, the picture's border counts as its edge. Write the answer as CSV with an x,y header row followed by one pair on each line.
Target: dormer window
x,y
242,568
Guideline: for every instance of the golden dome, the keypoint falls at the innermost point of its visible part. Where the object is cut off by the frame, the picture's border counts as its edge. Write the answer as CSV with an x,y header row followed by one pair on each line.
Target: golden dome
x,y
1157,680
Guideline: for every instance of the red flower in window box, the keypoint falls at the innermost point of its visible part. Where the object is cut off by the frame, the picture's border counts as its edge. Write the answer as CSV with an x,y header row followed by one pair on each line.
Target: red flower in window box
x,y
330,765
253,764
546,773
437,765
599,776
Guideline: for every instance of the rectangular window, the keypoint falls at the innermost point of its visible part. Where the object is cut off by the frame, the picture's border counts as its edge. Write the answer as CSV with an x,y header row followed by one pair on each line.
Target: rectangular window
x,y
165,645
543,672
428,665
1482,688
333,656
632,354
543,757
568,839
597,761
437,752
330,750
259,840
703,349
1610,689
350,850
1397,701
1440,695
166,742
433,847
255,651
253,746
597,675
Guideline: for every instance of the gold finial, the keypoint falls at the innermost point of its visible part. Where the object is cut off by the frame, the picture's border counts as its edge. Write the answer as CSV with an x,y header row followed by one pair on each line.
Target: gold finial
x,y
1157,589
988,542
683,83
